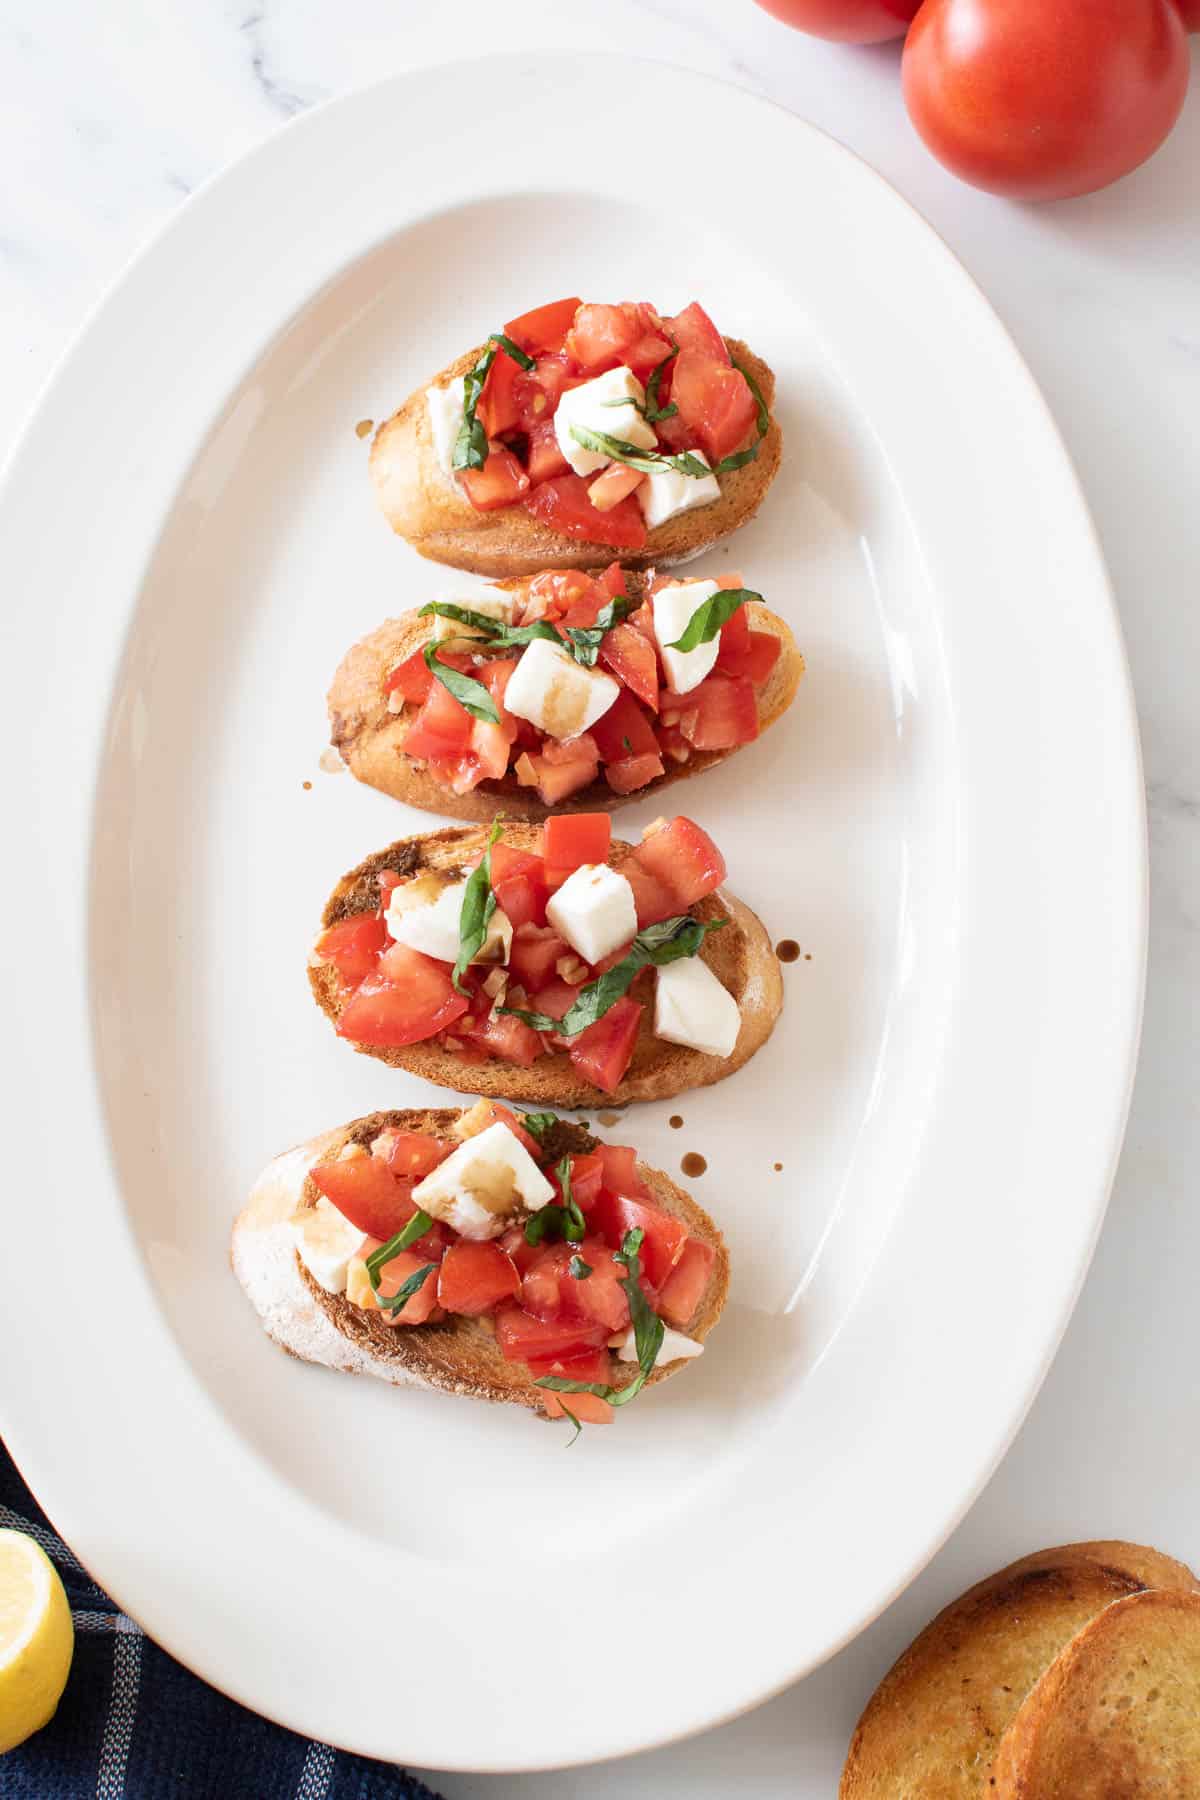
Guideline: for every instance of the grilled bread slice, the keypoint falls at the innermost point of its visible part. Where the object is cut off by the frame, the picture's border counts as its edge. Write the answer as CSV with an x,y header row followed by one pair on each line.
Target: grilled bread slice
x,y
459,1355
741,957
371,738
1117,1714
933,1725
422,505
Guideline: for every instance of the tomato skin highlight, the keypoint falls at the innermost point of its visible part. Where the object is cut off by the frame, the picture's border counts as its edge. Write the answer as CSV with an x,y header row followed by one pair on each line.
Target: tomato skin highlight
x,y
1041,102
846,21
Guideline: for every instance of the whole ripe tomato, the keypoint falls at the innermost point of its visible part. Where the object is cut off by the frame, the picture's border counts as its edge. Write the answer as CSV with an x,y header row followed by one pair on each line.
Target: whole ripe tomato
x,y
846,21
1041,99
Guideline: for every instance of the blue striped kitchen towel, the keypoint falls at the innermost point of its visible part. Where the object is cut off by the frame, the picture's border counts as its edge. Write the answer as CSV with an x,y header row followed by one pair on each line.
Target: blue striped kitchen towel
x,y
135,1725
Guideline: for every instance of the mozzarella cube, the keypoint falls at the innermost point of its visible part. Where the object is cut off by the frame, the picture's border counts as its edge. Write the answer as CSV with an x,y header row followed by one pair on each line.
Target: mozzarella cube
x,y
326,1241
557,694
675,1346
434,928
493,605
692,1008
445,405
591,406
484,1185
673,608
594,910
667,492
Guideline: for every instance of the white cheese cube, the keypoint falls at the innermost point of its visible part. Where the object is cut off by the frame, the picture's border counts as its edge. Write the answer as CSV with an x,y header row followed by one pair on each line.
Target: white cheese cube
x,y
557,694
667,492
445,406
672,608
692,1008
484,1185
674,1347
589,406
326,1241
594,910
433,928
493,605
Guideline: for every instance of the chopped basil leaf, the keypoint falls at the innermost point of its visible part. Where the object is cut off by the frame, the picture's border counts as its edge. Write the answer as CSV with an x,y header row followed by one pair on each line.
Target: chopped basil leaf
x,y
708,619
468,692
471,444
585,640
417,1226
648,461
582,642
405,1293
659,944
554,1221
478,905
462,615
579,1269
510,349
575,1422
648,1334
537,1124
654,411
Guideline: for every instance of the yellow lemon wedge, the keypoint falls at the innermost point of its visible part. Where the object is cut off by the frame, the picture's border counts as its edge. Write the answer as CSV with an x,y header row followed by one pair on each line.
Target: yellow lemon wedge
x,y
37,1639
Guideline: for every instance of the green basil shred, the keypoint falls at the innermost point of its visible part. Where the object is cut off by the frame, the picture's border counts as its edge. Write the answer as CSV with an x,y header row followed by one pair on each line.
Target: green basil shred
x,y
658,945
478,905
471,444
468,692
708,619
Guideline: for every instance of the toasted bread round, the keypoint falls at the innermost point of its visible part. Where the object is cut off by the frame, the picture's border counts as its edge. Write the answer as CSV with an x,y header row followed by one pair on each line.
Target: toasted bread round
x,y
437,519
459,1355
371,739
740,956
1117,1715
932,1727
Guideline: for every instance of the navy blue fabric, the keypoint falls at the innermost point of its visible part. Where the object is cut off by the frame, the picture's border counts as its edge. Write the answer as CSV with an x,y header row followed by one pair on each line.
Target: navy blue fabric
x,y
134,1725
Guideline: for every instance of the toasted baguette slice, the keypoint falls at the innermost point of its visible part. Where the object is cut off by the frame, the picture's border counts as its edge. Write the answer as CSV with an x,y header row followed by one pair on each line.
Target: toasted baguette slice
x,y
1117,1714
933,1724
371,739
422,505
740,956
459,1355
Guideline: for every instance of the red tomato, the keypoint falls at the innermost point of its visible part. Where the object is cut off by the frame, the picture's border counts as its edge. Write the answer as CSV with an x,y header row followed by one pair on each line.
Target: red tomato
x,y
353,945
408,999
501,481
846,21
521,1336
1190,12
544,328
755,658
473,1278
684,859
619,1164
1040,102
719,714
615,1214
511,1040
573,839
587,1177
519,884
553,593
495,676
715,403
589,1365
441,729
563,504
414,1154
633,772
646,354
604,1051
546,459
365,1191
490,747
535,950
653,899
514,1244
589,1409
559,752
602,335
493,1113
413,678
499,403
555,782
554,998
682,1289
392,1277
632,659
692,329
538,390
550,1291
624,730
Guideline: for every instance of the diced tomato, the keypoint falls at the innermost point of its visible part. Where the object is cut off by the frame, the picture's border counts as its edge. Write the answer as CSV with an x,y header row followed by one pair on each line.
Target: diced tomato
x,y
632,773
615,1214
554,999
412,678
733,641
604,1051
554,783
539,390
519,884
392,1277
682,1289
473,1278
546,459
572,840
521,1336
490,747
720,713
553,593
612,580
535,950
600,336
564,504
501,481
762,655
633,660
589,1409
516,1246
714,401
587,1176
409,998
684,859
646,354
411,1155
619,1165
495,676
499,407
442,728
558,752
624,730
353,945
746,652
589,1365
511,1040
550,1291
692,329
486,1113
544,327
652,898
612,485
365,1191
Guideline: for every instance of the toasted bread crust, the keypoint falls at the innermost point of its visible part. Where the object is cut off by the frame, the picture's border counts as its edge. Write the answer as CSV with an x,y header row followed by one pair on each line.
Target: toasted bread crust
x,y
459,1355
933,1725
741,956
421,505
371,739
1117,1714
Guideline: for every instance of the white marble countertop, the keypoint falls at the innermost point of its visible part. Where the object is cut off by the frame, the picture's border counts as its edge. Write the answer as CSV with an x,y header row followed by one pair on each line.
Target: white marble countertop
x,y
113,114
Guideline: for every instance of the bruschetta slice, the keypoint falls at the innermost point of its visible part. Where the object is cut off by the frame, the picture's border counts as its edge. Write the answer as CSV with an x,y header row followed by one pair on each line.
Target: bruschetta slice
x,y
498,1255
552,965
577,432
564,691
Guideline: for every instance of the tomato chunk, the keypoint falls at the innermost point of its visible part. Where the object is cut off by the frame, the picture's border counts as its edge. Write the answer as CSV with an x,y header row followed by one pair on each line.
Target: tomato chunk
x,y
394,1274
442,728
511,1040
588,1365
408,999
633,772
411,1155
652,898
555,781
624,730
521,1336
684,1286
684,859
563,503
473,1278
720,713
519,884
365,1191
573,839
619,1166
589,1409
412,678
692,329
604,1051
535,951
587,1177
499,406
486,1113
544,327
501,481
615,1214
600,336
546,459
353,946
632,659
550,1291
715,403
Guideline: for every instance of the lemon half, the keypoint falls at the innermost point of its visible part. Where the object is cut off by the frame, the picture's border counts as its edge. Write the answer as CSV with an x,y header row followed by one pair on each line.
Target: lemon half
x,y
37,1639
